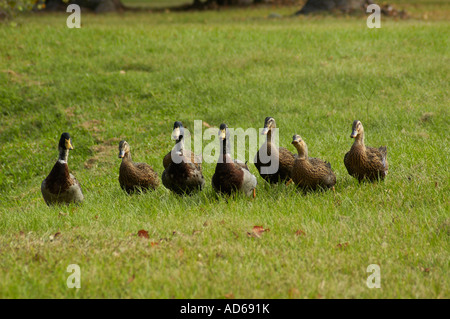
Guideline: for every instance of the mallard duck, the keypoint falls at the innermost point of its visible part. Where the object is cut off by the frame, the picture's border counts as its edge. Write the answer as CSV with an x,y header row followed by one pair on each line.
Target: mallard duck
x,y
310,173
134,176
60,186
365,162
231,175
269,152
182,168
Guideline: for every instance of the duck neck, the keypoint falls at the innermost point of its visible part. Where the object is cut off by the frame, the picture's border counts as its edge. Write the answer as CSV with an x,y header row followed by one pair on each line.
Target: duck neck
x,y
127,156
223,149
63,155
359,140
269,135
302,151
179,146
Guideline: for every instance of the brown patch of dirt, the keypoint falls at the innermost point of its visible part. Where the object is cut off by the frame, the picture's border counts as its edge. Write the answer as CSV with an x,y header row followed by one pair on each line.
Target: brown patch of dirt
x,y
92,126
427,116
70,111
102,152
19,78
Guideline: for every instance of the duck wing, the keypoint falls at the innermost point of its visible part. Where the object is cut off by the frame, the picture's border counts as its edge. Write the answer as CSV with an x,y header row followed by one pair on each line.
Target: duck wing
x,y
167,160
76,194
347,163
321,170
241,164
376,158
248,183
183,178
287,159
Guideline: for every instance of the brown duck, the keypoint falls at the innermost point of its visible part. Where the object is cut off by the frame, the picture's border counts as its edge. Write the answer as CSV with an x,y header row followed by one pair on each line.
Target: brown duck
x,y
310,173
135,176
231,175
365,162
60,186
182,168
271,152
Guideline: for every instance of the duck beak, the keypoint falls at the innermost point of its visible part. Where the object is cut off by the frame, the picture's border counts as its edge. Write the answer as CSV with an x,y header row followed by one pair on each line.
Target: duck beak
x,y
222,134
176,134
69,145
121,154
354,134
265,131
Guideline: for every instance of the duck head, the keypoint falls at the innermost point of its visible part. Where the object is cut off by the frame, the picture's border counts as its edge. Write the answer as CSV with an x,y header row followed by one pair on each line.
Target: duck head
x,y
300,145
269,123
124,148
65,142
178,131
357,129
223,132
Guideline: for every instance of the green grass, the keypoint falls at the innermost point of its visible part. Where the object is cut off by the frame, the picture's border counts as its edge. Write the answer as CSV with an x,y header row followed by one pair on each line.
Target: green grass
x,y
155,3
313,75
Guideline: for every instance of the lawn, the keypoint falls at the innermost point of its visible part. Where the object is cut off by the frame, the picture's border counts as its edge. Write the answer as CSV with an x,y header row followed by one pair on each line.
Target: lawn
x,y
130,76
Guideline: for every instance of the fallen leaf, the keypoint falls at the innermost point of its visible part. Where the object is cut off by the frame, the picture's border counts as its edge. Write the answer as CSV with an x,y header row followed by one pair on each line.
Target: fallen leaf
x,y
342,246
37,257
300,233
229,295
206,124
257,231
143,233
154,243
53,237
205,224
294,293
131,279
425,269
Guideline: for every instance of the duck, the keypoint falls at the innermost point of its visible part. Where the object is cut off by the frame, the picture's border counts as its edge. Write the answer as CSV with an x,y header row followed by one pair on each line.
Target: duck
x,y
135,176
182,168
310,173
60,186
231,175
271,152
362,162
